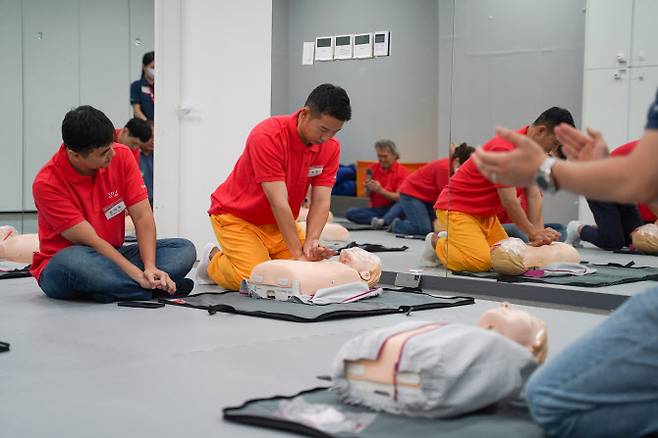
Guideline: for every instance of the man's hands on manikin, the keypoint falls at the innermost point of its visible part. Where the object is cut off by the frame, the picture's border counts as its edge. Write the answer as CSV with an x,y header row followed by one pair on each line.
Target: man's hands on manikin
x,y
543,237
313,251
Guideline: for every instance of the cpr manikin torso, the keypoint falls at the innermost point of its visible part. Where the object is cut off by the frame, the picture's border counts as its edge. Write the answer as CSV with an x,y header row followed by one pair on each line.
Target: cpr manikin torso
x,y
355,271
645,238
427,369
514,257
16,247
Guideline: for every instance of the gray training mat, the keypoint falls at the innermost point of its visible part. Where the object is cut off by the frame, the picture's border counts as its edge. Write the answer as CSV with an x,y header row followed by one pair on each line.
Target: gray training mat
x,y
605,275
317,413
388,302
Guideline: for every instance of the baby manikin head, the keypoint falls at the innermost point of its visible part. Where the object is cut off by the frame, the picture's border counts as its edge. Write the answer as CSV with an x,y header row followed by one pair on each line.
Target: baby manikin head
x,y
368,265
519,326
645,238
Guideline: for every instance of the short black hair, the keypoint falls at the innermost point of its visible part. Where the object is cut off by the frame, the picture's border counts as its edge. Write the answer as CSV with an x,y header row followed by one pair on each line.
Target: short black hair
x,y
553,117
140,129
85,128
462,153
148,58
331,100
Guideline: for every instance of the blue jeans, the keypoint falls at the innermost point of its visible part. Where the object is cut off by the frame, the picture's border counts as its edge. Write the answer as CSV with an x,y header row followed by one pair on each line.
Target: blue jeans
x,y
513,231
614,224
80,272
365,215
419,216
605,383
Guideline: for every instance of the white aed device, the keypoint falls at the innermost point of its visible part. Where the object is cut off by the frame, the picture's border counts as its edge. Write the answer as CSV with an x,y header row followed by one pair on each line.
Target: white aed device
x,y
324,48
343,46
363,45
382,43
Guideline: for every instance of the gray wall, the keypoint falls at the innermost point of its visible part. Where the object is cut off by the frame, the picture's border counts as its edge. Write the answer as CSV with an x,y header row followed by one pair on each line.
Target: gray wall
x,y
512,60
394,97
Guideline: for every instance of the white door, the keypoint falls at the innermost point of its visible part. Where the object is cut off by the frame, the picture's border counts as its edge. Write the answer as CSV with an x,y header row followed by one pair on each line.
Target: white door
x,y
645,39
608,33
605,103
643,85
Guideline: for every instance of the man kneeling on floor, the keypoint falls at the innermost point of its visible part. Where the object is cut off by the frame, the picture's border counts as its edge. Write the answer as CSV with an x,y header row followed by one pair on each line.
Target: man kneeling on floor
x,y
81,196
469,205
253,212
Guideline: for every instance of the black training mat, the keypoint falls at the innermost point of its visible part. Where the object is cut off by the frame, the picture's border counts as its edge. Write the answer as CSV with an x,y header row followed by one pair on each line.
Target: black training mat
x,y
351,226
15,273
493,422
633,252
409,236
387,303
374,247
605,275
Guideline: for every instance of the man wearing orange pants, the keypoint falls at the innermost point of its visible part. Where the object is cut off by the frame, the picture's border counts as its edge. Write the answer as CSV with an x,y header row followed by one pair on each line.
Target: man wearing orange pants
x,y
253,213
468,207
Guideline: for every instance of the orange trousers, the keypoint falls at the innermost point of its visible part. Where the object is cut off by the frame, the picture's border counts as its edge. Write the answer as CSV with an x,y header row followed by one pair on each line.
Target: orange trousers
x,y
469,241
243,246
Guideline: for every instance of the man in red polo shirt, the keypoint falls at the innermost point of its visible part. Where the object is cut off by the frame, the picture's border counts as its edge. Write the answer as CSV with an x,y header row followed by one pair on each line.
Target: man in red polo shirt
x,y
253,213
383,182
135,134
469,206
81,196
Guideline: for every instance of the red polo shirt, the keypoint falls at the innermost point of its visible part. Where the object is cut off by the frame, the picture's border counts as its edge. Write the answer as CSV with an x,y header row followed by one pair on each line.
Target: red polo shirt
x,y
134,151
65,198
275,152
503,217
427,182
626,149
469,191
391,179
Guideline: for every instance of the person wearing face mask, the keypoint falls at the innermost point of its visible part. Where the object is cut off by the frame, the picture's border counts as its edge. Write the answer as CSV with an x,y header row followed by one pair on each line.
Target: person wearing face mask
x,y
383,181
469,206
253,213
142,91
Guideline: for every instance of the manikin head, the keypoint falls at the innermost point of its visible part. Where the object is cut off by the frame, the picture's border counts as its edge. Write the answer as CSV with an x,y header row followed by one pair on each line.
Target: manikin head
x,y
89,139
543,129
519,326
326,109
368,265
387,153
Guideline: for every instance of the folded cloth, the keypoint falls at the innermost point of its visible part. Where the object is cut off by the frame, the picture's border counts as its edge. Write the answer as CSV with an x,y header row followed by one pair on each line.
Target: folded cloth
x,y
560,270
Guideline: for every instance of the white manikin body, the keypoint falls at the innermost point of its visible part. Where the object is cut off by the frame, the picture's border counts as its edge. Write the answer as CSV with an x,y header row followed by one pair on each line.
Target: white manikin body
x,y
514,257
16,247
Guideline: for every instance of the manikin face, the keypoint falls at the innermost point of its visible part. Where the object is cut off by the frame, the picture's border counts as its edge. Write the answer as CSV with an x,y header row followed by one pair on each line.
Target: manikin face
x,y
385,157
316,130
368,265
519,326
98,158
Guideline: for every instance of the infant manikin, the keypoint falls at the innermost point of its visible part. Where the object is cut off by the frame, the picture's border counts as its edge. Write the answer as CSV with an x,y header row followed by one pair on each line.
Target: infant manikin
x,y
333,235
512,256
645,238
328,281
16,247
435,370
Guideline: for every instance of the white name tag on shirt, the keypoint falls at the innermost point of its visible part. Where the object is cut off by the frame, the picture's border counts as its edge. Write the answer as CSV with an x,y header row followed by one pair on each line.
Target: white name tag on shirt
x,y
145,89
114,209
315,171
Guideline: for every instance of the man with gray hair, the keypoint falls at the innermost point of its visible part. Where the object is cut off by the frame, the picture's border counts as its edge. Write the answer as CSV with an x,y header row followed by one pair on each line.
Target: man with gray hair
x,y
383,181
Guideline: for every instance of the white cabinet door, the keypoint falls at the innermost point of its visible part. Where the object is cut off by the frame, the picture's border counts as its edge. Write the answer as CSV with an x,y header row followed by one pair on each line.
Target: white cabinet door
x,y
11,110
645,38
608,33
51,82
605,103
643,85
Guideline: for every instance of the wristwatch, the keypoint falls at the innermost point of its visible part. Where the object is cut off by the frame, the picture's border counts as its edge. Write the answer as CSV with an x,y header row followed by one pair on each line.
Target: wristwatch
x,y
544,178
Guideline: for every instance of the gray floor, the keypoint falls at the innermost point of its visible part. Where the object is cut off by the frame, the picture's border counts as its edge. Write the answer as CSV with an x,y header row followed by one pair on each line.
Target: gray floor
x,y
84,369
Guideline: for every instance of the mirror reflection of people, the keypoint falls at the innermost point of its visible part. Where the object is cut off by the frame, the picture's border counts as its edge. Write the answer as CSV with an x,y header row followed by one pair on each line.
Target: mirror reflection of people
x,y
81,196
615,222
421,189
253,213
142,91
146,166
382,187
469,206
604,384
